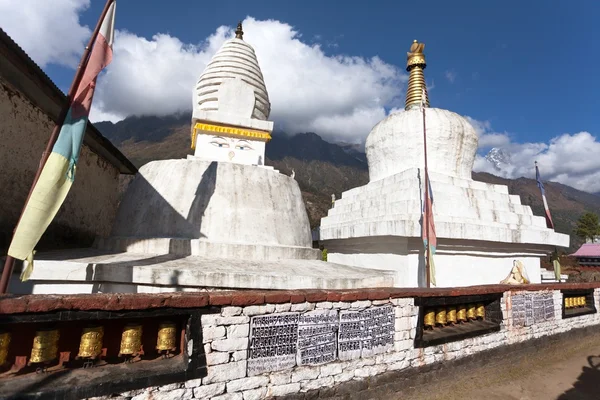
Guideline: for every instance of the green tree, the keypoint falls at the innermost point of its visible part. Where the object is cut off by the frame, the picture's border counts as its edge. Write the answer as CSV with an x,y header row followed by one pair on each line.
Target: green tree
x,y
588,226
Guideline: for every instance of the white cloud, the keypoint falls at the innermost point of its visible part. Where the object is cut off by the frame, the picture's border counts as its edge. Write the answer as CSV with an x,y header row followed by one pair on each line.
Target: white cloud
x,y
571,159
48,30
338,96
451,76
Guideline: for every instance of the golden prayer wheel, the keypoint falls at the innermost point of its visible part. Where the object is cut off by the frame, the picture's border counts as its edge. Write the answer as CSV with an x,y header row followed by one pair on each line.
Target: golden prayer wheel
x,y
440,316
4,343
480,311
167,337
45,346
131,340
451,314
461,313
582,301
429,318
471,311
90,345
568,302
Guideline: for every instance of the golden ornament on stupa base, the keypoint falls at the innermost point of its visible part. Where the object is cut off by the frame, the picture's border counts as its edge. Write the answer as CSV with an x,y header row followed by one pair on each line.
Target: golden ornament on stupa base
x,y
166,340
429,318
131,340
90,345
451,314
4,343
45,346
461,313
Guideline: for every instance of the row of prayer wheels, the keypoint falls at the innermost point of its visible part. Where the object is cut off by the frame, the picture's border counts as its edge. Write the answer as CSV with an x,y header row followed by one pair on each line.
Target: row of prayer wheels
x,y
45,342
575,302
450,315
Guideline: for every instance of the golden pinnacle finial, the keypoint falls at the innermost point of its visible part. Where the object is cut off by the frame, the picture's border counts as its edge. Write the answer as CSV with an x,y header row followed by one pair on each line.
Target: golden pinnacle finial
x,y
239,33
415,65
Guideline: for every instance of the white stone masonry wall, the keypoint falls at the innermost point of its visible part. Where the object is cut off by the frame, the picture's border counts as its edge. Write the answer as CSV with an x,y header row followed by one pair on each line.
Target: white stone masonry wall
x,y
226,343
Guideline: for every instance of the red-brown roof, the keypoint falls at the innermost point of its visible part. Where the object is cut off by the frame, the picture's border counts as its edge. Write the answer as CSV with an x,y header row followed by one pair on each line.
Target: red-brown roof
x,y
588,250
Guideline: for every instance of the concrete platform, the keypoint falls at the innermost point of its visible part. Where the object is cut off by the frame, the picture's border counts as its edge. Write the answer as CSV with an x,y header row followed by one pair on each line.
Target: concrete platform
x,y
94,271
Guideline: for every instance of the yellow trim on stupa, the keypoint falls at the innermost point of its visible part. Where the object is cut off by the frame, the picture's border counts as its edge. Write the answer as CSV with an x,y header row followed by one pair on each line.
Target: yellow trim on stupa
x,y
228,130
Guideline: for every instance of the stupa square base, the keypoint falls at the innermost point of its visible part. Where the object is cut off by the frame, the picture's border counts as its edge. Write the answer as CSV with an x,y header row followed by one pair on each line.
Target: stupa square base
x,y
94,271
458,263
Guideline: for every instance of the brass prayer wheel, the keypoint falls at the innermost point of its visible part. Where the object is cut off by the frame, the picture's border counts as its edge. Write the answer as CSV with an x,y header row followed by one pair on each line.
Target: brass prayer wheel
x,y
451,314
480,311
440,316
429,318
582,301
167,336
4,343
461,313
568,302
471,311
45,346
91,342
131,339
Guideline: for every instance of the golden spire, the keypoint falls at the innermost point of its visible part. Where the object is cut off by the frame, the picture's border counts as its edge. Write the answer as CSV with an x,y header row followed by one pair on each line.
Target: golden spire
x,y
415,64
239,33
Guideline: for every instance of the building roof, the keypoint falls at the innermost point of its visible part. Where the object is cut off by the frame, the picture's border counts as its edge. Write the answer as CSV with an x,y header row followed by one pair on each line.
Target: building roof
x,y
17,68
588,250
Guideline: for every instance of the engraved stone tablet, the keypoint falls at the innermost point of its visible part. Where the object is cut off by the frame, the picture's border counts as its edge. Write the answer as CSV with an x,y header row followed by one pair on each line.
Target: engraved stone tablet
x,y
518,309
379,330
350,335
273,342
317,337
529,309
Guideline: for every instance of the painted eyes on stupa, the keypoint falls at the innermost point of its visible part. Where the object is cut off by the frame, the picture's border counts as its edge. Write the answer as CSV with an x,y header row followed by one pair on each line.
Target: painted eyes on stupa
x,y
243,147
217,143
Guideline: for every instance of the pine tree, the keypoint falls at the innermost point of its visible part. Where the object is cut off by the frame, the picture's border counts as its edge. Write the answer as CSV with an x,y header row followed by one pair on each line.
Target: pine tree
x,y
588,226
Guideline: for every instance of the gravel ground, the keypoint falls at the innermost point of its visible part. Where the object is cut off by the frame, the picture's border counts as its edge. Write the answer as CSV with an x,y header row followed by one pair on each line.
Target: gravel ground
x,y
570,371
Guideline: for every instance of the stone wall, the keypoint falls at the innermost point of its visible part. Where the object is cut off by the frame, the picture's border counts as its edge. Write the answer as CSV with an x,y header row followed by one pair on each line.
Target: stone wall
x,y
226,338
91,205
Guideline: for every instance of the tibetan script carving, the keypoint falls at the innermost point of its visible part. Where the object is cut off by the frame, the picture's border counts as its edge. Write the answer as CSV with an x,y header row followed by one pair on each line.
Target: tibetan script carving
x,y
273,342
548,306
518,310
317,337
365,333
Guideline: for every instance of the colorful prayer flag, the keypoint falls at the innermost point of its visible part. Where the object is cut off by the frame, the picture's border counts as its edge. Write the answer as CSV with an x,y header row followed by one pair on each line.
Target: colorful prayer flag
x,y
430,228
58,173
538,178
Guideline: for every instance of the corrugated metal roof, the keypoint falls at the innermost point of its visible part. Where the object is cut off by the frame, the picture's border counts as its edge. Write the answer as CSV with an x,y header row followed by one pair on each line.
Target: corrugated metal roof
x,y
23,73
588,250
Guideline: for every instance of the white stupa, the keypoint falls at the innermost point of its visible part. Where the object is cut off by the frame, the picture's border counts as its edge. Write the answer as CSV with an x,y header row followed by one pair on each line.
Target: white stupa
x,y
219,219
481,228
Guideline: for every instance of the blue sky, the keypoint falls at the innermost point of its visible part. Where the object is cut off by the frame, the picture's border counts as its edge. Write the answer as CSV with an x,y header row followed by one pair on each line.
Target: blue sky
x,y
523,72
528,67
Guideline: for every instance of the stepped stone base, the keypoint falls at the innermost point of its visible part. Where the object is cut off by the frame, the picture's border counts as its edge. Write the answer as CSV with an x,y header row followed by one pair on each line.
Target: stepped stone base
x,y
481,230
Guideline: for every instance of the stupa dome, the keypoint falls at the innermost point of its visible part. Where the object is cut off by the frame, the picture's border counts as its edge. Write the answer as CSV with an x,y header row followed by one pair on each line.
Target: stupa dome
x,y
396,144
235,61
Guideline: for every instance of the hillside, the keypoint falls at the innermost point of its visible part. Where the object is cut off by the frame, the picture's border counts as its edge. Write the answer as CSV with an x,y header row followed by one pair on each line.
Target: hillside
x,y
323,168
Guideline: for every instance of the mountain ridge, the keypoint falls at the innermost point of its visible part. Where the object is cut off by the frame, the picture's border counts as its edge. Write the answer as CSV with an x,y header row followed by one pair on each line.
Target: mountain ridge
x,y
323,168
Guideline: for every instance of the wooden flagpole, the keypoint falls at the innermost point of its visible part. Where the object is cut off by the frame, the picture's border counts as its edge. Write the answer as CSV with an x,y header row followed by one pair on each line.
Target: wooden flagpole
x,y
9,264
426,217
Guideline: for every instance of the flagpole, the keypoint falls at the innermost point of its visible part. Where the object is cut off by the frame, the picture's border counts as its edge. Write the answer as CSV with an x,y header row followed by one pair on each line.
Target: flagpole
x,y
426,218
9,264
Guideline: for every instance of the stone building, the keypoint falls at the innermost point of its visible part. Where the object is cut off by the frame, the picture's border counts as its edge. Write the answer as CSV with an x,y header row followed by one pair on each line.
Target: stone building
x,y
29,105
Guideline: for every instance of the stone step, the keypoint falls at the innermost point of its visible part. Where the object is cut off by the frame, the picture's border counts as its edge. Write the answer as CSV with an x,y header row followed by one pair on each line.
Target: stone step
x,y
409,190
457,203
337,215
328,222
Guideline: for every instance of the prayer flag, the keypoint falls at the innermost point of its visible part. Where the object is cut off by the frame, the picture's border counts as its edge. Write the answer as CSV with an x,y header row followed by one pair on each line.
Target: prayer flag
x,y
430,228
538,178
58,173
